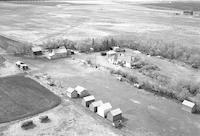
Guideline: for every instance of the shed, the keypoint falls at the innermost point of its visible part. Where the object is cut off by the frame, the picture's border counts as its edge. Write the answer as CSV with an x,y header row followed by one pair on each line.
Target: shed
x,y
72,93
114,115
188,106
82,92
86,101
103,109
37,50
93,106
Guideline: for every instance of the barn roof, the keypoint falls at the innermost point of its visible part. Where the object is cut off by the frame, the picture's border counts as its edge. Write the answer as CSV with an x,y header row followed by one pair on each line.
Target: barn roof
x,y
89,98
97,103
116,112
188,103
70,90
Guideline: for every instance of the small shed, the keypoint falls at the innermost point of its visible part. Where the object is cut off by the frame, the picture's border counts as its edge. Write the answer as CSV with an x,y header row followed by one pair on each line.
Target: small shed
x,y
104,109
93,106
72,93
114,115
86,101
82,92
37,50
188,106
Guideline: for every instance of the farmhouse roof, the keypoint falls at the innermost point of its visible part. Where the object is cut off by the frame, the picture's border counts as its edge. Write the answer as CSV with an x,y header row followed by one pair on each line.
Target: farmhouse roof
x,y
116,112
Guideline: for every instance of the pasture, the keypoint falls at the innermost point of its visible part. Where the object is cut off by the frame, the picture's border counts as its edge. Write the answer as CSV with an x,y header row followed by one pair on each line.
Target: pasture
x,y
22,97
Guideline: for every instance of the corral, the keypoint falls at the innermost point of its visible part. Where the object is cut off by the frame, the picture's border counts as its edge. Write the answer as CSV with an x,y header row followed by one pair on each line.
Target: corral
x,y
22,97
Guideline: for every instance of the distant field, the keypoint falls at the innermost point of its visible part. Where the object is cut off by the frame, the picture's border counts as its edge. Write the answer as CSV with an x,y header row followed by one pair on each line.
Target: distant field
x,y
195,6
21,97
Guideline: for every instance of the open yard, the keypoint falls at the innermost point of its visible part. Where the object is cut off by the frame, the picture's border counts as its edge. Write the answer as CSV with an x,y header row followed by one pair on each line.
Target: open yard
x,y
22,97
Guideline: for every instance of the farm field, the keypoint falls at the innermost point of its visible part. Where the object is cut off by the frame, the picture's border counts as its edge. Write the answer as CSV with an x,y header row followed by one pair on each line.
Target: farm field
x,y
22,97
192,5
39,21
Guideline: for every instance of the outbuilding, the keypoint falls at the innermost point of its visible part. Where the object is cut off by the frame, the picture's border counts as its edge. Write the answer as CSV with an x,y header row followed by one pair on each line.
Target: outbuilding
x,y
103,109
61,52
86,101
114,115
37,50
93,106
188,106
72,93
82,92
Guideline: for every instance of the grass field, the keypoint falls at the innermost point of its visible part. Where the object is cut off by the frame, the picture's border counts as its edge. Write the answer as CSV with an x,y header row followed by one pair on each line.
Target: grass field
x,y
192,5
79,19
22,97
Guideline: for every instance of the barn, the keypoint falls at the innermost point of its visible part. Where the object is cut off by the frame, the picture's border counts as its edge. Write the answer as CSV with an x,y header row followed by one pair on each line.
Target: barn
x,y
114,115
86,101
188,106
93,106
82,92
103,109
72,93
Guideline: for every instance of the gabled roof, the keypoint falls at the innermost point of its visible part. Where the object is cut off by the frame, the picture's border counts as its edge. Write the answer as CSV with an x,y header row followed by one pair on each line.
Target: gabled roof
x,y
97,103
70,90
105,106
89,98
80,88
116,112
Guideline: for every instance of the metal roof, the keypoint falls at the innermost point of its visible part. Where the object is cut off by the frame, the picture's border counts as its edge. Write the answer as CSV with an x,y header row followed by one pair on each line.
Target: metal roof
x,y
188,103
70,89
116,112
97,103
105,106
89,98
80,88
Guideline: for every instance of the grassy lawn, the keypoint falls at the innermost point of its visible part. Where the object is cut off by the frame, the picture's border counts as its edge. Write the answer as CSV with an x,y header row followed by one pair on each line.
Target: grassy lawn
x,y
21,97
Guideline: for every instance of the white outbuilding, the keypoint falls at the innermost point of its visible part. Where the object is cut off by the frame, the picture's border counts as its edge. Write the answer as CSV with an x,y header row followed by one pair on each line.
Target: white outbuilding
x,y
72,93
93,106
86,101
104,109
114,115
188,106
82,92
